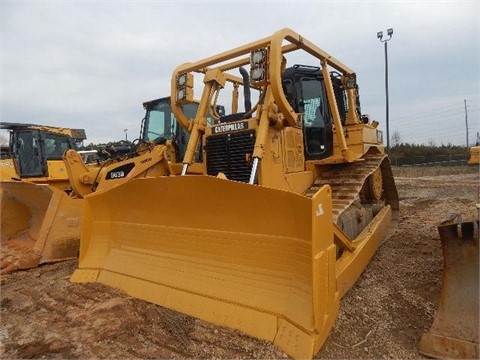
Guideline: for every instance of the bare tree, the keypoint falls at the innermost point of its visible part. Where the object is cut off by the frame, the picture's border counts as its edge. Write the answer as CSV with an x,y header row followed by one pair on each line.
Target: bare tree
x,y
396,138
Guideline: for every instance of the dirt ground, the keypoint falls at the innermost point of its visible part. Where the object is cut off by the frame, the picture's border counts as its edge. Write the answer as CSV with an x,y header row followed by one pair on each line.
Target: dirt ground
x,y
43,315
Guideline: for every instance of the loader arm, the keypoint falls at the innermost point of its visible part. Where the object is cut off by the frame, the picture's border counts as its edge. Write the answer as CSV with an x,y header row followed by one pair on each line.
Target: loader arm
x,y
84,180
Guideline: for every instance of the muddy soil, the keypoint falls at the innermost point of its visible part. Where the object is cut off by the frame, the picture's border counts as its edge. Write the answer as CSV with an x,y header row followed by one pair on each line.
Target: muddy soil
x,y
43,315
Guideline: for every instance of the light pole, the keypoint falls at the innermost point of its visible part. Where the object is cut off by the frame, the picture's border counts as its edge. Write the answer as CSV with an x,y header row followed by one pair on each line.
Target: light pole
x,y
125,134
380,37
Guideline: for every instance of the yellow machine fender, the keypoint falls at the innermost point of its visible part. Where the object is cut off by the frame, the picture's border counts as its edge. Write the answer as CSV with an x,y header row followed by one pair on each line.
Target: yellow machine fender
x,y
39,224
248,257
7,169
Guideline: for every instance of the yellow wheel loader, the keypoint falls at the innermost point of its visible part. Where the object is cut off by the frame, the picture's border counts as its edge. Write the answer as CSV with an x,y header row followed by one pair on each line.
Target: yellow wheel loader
x,y
41,216
39,222
157,152
295,197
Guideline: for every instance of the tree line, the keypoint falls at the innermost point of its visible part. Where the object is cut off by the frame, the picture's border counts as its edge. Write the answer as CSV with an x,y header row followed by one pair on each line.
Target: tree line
x,y
406,150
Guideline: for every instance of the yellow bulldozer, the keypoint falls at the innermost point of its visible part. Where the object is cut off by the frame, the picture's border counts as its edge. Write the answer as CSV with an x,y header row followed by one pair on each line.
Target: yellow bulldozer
x,y
296,194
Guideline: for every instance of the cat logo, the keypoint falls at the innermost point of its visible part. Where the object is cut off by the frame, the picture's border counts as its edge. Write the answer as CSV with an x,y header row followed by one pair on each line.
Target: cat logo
x,y
230,127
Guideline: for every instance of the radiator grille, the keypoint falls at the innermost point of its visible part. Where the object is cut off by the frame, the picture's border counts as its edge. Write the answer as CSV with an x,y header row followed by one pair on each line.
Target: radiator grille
x,y
229,154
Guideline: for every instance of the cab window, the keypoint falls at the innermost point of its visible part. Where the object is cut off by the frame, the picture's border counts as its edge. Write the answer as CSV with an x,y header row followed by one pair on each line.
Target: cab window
x,y
55,146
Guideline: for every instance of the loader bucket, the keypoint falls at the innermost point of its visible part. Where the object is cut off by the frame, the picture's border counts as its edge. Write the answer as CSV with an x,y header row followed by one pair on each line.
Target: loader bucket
x,y
455,330
255,259
39,224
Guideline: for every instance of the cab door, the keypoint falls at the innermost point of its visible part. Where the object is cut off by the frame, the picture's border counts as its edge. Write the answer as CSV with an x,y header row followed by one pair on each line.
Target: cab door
x,y
317,123
305,90
28,152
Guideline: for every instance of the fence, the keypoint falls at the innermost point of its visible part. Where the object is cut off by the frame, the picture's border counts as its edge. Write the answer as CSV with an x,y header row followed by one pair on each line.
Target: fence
x,y
430,160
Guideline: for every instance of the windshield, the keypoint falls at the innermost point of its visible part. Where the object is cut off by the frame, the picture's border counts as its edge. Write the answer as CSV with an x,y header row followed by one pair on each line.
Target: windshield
x,y
312,101
55,145
160,123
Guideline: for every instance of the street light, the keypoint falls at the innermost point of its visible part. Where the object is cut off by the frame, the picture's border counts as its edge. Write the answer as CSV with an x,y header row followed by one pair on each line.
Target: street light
x,y
125,134
380,37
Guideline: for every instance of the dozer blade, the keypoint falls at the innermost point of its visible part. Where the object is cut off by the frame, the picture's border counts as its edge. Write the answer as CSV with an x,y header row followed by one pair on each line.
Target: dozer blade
x,y
255,259
455,330
39,224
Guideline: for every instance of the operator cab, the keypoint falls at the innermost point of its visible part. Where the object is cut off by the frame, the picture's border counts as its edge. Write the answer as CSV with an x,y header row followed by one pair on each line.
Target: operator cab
x,y
160,125
306,92
305,89
32,148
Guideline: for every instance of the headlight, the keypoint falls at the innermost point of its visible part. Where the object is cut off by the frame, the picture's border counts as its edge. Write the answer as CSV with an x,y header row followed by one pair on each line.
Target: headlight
x,y
181,94
184,87
257,74
182,79
258,56
259,64
350,82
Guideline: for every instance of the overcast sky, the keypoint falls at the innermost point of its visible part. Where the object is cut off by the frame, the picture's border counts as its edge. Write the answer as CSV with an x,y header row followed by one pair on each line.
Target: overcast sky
x,y
91,64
